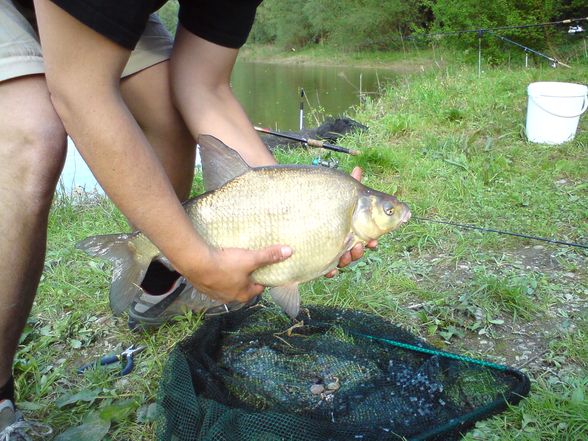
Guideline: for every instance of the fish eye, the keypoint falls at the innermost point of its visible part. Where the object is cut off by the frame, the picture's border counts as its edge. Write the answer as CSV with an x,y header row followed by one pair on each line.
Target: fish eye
x,y
388,208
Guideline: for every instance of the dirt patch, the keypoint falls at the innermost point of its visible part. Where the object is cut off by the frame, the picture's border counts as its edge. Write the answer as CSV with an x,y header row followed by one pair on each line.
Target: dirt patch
x,y
535,258
522,343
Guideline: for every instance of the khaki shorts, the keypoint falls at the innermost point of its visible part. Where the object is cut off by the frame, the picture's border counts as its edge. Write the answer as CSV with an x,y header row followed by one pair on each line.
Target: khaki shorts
x,y
20,51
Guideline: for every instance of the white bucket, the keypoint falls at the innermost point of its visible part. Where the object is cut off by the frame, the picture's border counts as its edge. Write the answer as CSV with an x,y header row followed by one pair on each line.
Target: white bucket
x,y
554,110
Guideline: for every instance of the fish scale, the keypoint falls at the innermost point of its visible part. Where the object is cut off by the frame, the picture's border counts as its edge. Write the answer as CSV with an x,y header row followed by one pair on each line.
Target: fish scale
x,y
286,211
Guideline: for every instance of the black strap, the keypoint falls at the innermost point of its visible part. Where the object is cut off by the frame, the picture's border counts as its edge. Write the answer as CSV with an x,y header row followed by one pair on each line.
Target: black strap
x,y
7,391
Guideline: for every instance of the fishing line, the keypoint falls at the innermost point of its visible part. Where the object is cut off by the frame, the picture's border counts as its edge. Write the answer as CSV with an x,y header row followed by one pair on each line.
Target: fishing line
x,y
499,28
491,230
481,31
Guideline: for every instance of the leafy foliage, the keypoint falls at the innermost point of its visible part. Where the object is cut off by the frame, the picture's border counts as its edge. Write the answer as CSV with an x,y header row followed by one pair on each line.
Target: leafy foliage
x,y
473,14
282,23
375,25
346,24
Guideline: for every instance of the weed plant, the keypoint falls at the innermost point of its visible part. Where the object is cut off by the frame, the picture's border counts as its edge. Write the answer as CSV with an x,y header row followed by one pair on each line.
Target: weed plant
x,y
451,144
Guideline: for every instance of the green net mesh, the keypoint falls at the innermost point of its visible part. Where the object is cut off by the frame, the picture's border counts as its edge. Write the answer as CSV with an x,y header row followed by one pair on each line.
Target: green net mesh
x,y
342,375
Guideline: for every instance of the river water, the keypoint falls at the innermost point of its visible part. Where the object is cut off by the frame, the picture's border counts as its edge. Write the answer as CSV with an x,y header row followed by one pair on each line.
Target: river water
x,y
271,95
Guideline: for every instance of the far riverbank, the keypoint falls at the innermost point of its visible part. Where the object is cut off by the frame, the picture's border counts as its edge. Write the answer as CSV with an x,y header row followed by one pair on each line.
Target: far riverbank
x,y
410,61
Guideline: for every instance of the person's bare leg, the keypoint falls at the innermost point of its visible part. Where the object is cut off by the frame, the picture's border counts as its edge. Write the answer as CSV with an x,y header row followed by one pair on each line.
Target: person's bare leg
x,y
148,97
32,151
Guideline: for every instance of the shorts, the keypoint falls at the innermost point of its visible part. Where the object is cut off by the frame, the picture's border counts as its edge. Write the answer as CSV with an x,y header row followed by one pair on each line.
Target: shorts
x,y
223,22
20,51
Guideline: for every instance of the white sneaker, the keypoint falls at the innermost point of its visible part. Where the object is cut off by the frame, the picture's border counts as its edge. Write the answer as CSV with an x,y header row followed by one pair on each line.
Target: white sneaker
x,y
151,311
13,427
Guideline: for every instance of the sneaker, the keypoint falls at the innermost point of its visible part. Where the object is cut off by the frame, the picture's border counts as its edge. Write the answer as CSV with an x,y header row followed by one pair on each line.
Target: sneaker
x,y
13,427
151,311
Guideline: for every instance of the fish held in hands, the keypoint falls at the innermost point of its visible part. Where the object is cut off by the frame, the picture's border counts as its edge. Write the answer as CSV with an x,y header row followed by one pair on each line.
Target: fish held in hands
x,y
320,213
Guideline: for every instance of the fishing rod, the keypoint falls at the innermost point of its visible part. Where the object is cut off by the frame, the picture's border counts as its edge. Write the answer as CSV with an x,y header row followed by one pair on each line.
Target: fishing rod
x,y
553,61
491,230
499,28
301,122
309,141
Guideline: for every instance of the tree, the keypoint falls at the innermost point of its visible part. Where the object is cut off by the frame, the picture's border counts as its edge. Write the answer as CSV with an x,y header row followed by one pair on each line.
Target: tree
x,y
362,24
348,24
282,23
457,15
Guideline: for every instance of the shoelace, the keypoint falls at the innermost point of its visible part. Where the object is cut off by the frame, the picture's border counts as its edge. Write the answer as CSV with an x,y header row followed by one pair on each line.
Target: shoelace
x,y
23,429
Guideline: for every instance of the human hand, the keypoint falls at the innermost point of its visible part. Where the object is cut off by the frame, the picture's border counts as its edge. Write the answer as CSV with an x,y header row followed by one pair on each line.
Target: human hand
x,y
226,275
357,251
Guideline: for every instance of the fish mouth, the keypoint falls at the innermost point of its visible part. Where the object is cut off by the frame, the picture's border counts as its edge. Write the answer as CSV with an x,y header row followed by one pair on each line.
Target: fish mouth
x,y
406,215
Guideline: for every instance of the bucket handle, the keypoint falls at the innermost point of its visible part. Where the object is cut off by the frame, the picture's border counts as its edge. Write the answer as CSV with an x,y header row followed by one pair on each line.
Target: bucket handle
x,y
584,108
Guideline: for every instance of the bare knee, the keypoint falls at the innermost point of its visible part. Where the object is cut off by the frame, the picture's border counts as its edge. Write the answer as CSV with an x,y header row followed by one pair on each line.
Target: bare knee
x,y
32,155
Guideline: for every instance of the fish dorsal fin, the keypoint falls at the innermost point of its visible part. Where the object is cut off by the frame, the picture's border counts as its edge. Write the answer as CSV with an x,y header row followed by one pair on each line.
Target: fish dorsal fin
x,y
288,297
220,163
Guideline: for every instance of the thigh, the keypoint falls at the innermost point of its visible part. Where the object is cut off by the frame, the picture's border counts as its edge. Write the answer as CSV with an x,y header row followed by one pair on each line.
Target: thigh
x,y
146,90
148,97
145,84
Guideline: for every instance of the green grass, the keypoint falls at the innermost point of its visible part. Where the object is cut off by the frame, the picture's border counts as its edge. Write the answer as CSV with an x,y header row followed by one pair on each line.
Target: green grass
x,y
328,56
451,145
553,411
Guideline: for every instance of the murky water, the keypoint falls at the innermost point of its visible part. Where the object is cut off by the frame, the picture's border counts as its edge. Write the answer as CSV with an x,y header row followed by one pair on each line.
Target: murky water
x,y
270,94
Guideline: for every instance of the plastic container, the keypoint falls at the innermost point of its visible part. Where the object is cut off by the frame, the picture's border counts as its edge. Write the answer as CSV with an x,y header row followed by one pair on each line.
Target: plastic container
x,y
554,110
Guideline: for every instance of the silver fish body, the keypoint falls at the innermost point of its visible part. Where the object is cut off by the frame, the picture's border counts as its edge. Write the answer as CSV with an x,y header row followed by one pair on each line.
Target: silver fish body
x,y
320,213
296,206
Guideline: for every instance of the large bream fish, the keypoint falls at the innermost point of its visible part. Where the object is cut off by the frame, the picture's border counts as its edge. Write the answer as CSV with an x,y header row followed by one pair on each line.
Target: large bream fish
x,y
319,212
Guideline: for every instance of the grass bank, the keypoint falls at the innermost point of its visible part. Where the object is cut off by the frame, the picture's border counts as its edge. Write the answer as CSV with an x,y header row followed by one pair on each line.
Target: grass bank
x,y
451,145
410,60
413,56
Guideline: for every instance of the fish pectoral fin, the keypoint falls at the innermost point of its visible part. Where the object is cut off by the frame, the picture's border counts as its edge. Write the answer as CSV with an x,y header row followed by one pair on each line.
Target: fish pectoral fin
x,y
288,297
220,163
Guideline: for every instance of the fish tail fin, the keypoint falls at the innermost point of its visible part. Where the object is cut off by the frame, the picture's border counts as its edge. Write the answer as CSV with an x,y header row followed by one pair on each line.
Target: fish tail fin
x,y
129,267
288,298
